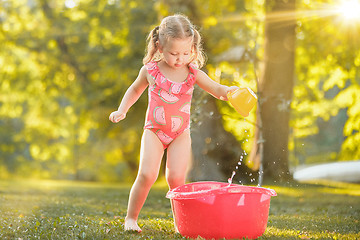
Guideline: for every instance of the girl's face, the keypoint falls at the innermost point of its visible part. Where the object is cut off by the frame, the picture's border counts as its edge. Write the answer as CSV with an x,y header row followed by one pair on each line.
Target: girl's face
x,y
177,52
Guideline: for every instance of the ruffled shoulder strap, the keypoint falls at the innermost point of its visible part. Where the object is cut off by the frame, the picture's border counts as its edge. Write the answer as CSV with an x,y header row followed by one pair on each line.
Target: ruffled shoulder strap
x,y
193,72
154,72
152,69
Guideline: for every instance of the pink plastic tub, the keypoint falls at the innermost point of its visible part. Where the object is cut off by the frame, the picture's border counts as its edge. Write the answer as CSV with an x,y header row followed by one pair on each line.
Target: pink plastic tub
x,y
217,210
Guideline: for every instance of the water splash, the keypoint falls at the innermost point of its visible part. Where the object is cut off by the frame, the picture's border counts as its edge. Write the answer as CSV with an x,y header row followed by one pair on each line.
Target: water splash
x,y
237,167
230,179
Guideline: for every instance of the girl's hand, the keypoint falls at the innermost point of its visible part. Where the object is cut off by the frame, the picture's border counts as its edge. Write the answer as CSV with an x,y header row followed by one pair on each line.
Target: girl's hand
x,y
116,116
229,89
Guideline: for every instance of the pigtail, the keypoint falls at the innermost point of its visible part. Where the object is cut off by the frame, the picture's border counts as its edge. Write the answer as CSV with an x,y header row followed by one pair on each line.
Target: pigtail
x,y
151,49
199,54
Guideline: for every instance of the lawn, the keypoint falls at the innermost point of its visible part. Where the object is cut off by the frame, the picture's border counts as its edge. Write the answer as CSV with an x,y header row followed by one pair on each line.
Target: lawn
x,y
78,210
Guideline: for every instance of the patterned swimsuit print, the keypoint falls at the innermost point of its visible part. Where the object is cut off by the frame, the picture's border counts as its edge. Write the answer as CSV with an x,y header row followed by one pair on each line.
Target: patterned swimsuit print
x,y
168,113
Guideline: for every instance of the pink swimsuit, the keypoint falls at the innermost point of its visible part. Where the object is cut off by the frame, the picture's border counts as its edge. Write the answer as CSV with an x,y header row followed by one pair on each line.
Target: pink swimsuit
x,y
168,113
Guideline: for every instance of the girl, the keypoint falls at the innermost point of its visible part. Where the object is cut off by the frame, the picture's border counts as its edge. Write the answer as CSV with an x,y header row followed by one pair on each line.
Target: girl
x,y
171,68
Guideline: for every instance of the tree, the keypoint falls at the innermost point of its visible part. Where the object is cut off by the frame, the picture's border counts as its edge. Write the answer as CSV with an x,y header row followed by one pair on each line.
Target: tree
x,y
275,90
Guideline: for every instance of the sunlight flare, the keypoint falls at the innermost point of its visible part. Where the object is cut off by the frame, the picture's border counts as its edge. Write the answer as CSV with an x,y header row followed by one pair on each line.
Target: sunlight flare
x,y
350,9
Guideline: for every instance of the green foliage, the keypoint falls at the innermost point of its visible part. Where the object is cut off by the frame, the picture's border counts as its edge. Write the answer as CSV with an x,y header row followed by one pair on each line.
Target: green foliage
x,y
326,98
63,71
65,68
69,210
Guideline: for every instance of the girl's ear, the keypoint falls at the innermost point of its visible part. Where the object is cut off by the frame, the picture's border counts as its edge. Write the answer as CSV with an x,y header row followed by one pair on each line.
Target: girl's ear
x,y
159,47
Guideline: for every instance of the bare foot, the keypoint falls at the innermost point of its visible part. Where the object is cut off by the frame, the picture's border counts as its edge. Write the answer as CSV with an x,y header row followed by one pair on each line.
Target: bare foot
x,y
131,225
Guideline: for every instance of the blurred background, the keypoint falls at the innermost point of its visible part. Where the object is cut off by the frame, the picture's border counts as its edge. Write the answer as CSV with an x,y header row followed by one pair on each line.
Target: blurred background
x,y
65,65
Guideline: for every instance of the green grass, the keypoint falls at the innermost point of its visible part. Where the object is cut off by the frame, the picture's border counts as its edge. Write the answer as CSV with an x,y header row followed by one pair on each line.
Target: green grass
x,y
77,210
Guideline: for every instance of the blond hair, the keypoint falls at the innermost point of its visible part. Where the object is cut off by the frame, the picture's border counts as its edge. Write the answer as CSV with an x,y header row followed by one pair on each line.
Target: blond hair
x,y
179,27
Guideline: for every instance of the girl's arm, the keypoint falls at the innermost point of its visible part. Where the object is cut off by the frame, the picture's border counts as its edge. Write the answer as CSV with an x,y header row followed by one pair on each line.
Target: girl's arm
x,y
132,94
216,89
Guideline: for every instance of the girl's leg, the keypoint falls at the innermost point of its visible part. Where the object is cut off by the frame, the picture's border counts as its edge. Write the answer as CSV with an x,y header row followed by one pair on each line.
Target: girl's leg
x,y
178,160
151,153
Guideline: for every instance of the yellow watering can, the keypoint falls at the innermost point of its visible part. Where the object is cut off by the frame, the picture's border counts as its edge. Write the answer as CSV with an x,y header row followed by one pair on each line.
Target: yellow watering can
x,y
243,100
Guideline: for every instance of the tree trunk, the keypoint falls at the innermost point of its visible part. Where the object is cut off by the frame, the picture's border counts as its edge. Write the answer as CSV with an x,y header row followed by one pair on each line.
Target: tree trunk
x,y
275,89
